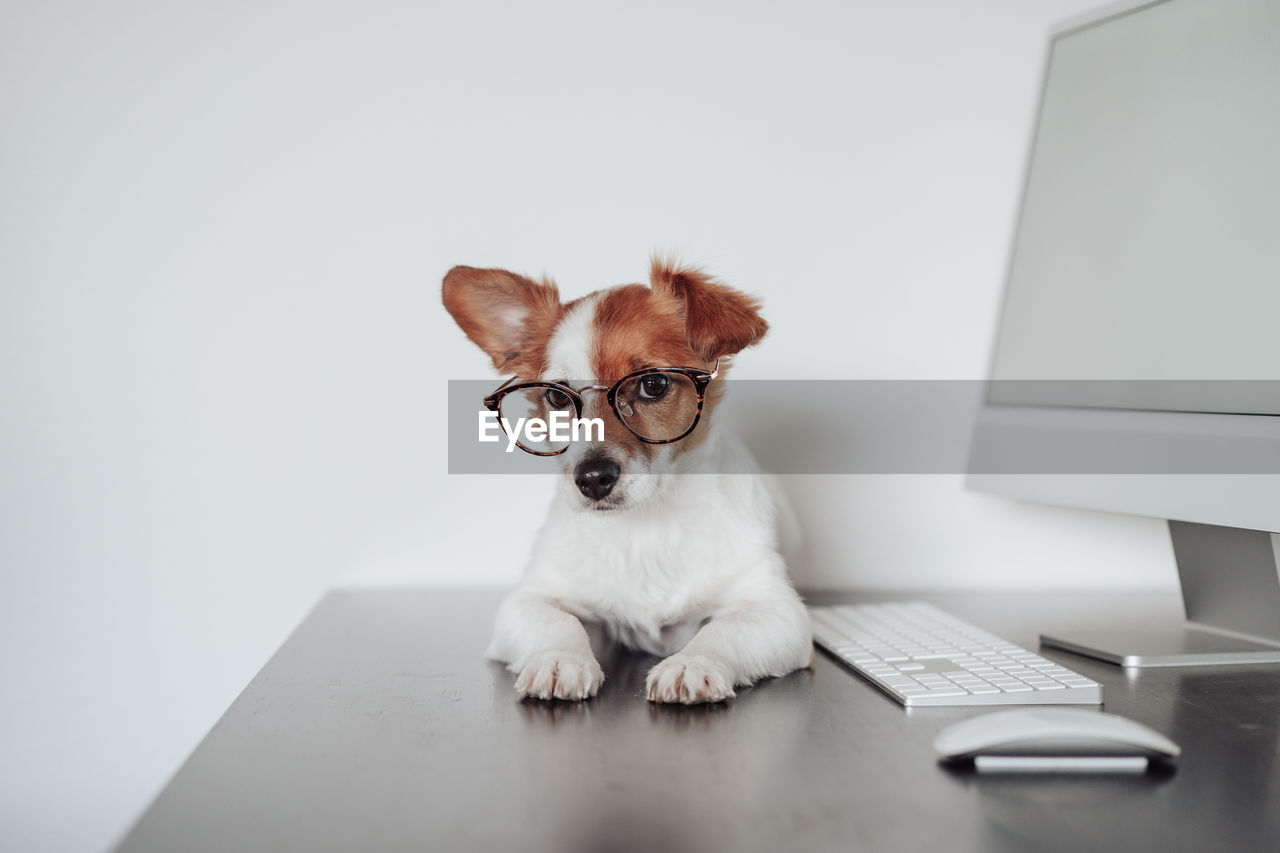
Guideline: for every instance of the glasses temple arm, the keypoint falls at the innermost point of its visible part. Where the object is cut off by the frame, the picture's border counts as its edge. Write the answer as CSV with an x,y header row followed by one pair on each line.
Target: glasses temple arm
x,y
490,398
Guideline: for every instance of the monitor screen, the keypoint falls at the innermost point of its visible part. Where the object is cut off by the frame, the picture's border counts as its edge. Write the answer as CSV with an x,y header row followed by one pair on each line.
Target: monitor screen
x,y
1148,244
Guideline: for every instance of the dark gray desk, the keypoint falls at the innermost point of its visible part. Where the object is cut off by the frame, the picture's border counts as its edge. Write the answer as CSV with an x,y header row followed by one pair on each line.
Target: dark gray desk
x,y
378,727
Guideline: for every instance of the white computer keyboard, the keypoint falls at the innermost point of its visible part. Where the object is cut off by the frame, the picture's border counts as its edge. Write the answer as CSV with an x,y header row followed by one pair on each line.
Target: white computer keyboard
x,y
921,655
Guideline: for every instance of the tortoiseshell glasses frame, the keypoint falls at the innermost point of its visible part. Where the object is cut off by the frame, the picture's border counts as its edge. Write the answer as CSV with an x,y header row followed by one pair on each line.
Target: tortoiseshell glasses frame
x,y
699,377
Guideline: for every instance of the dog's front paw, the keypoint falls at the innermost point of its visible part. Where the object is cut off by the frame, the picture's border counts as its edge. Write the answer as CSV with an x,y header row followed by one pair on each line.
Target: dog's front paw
x,y
689,679
560,675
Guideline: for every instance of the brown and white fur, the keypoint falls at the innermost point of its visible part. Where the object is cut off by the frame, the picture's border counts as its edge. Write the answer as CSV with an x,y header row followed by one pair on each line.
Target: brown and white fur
x,y
681,566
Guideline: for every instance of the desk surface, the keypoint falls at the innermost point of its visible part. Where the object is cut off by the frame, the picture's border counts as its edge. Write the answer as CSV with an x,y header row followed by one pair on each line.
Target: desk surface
x,y
378,726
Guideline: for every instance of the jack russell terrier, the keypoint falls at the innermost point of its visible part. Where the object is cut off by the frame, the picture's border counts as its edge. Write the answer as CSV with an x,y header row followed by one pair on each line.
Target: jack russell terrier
x,y
647,537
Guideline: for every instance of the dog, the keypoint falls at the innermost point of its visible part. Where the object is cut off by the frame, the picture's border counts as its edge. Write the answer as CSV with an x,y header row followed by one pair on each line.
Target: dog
x,y
647,536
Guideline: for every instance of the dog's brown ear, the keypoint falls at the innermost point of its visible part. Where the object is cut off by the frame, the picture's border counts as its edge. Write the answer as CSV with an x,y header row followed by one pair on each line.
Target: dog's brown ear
x,y
504,314
718,320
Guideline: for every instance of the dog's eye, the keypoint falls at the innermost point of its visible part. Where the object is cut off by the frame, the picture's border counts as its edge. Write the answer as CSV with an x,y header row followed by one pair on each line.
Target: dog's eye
x,y
557,399
653,386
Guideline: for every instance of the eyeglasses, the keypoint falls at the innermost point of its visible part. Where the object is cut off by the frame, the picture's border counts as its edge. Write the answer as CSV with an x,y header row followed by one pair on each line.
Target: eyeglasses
x,y
658,405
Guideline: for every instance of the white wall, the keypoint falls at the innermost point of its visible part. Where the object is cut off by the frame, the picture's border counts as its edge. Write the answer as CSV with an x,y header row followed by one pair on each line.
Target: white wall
x,y
223,229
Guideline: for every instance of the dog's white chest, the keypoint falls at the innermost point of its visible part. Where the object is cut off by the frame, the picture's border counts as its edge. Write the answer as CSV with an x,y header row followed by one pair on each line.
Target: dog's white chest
x,y
651,582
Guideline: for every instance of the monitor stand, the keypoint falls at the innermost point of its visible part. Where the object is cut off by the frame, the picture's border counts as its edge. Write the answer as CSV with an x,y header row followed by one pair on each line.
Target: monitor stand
x,y
1231,593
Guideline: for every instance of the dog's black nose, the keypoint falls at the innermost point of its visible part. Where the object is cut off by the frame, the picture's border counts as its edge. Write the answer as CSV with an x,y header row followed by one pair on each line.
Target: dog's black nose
x,y
595,477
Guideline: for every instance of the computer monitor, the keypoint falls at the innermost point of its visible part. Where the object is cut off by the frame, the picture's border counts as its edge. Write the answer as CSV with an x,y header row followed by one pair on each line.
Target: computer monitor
x,y
1142,310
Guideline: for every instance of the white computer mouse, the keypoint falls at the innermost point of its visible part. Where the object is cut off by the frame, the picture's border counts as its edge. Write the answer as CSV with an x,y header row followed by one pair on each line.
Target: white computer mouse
x,y
1052,732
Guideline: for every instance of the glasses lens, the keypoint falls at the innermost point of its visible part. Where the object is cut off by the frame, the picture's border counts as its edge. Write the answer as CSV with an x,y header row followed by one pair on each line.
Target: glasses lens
x,y
540,416
658,406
